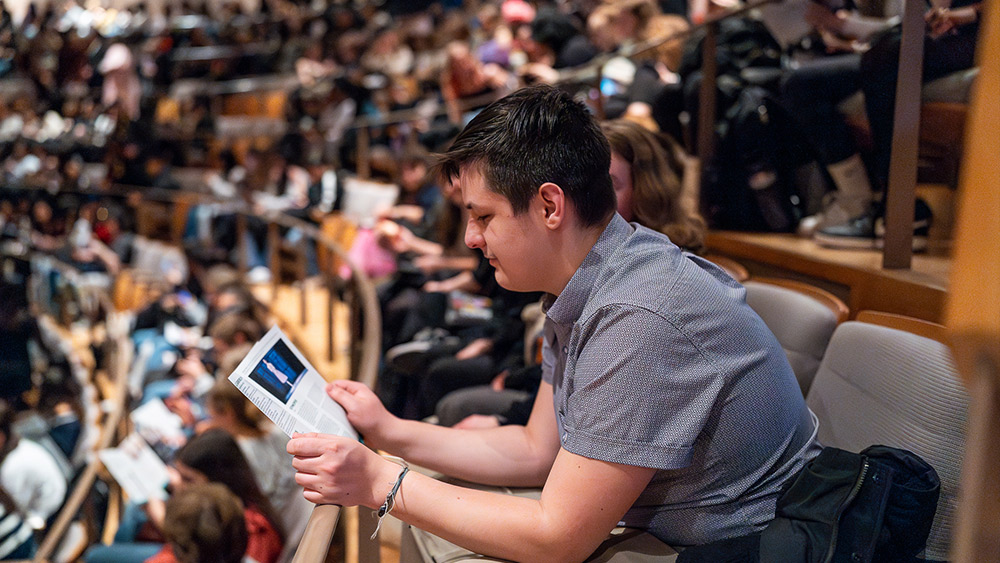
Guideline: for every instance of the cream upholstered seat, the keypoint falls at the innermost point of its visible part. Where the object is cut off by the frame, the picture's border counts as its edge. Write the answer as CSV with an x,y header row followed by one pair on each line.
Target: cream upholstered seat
x,y
802,317
881,385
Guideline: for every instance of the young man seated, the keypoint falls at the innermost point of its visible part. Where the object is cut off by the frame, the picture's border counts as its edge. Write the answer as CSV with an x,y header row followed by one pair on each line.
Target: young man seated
x,y
666,404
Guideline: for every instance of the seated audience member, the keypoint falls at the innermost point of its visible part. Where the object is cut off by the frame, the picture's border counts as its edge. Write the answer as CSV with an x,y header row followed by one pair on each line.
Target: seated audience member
x,y
210,457
203,523
813,89
478,349
263,444
506,400
214,456
29,473
646,84
17,539
233,330
666,403
466,77
419,195
647,176
949,46
425,264
555,42
435,246
184,389
61,405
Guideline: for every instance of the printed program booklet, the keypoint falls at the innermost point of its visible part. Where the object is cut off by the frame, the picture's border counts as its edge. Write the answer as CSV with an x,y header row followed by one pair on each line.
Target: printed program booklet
x,y
139,471
277,378
162,429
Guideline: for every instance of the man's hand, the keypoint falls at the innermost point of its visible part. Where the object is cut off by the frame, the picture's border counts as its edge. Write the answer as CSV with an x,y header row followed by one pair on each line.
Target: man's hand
x,y
338,470
364,410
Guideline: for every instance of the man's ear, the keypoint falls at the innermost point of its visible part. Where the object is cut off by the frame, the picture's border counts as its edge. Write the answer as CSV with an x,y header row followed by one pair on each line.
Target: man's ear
x,y
553,201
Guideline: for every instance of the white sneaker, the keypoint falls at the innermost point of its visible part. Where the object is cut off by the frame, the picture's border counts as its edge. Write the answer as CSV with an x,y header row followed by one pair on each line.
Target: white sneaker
x,y
837,210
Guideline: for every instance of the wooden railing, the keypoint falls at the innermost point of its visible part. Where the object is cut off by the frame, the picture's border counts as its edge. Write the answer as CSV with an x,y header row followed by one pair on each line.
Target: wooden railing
x,y
117,362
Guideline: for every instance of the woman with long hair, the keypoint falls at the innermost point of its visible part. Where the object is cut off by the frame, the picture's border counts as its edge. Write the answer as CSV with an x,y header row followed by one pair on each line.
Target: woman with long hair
x,y
263,445
214,456
647,171
210,457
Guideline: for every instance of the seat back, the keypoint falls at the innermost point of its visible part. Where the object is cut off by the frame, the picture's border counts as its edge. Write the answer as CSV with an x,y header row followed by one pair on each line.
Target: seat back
x,y
735,270
802,317
880,385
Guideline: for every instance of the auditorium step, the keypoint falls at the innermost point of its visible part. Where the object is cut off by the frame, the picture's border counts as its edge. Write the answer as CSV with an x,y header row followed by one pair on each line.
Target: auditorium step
x,y
856,276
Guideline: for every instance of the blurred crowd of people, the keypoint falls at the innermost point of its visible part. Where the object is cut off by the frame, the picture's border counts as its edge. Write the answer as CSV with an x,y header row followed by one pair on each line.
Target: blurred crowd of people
x,y
102,107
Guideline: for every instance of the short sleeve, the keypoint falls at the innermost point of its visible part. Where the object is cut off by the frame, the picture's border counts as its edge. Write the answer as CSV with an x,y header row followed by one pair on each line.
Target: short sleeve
x,y
642,391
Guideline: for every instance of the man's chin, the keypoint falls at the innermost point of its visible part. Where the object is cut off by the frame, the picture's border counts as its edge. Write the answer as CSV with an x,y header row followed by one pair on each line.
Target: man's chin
x,y
508,284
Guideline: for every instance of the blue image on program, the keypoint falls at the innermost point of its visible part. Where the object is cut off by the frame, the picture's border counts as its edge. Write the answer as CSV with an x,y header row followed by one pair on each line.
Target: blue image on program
x,y
278,371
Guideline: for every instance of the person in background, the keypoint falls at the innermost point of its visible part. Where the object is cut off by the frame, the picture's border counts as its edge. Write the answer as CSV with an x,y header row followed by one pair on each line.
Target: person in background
x,y
263,445
210,457
17,539
29,473
647,171
204,523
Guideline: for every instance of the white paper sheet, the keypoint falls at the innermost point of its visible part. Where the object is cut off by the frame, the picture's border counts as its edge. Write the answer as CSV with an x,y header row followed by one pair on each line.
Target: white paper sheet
x,y
141,474
277,378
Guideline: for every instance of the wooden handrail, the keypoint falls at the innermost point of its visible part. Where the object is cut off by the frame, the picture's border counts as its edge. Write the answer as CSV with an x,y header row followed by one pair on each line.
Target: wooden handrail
x,y
118,370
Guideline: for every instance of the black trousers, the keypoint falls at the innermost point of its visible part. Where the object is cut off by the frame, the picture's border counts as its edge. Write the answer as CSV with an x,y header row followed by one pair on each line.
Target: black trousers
x,y
880,69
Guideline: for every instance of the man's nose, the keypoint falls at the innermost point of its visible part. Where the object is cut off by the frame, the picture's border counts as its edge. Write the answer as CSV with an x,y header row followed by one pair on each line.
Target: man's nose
x,y
473,236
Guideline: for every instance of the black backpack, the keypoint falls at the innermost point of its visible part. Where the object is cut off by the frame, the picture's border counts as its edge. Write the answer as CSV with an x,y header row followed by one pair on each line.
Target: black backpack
x,y
750,184
876,506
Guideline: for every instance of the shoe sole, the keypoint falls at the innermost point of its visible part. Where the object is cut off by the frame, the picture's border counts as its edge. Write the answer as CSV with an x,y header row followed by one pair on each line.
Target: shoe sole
x,y
847,243
919,244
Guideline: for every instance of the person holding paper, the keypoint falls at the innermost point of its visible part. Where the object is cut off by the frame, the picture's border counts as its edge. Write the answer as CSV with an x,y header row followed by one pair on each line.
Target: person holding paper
x,y
210,457
666,404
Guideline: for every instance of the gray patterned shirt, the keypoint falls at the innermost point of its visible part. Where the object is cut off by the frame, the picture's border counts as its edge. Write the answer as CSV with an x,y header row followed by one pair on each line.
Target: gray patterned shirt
x,y
656,361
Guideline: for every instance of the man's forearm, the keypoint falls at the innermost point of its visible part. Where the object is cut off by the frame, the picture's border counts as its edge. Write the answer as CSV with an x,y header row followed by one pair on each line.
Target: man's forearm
x,y
497,456
582,501
511,455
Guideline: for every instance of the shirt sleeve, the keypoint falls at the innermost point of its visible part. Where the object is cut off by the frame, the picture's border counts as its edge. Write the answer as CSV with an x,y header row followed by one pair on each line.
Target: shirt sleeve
x,y
641,392
263,544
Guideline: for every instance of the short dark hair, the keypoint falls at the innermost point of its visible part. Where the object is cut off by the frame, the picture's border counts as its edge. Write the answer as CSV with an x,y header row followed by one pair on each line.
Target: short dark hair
x,y
536,135
204,523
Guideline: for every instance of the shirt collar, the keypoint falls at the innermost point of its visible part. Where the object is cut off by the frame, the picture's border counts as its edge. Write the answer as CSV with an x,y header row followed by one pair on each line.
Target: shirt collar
x,y
567,307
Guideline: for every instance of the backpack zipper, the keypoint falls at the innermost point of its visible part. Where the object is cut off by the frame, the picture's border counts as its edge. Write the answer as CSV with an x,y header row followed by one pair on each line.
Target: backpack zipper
x,y
843,507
